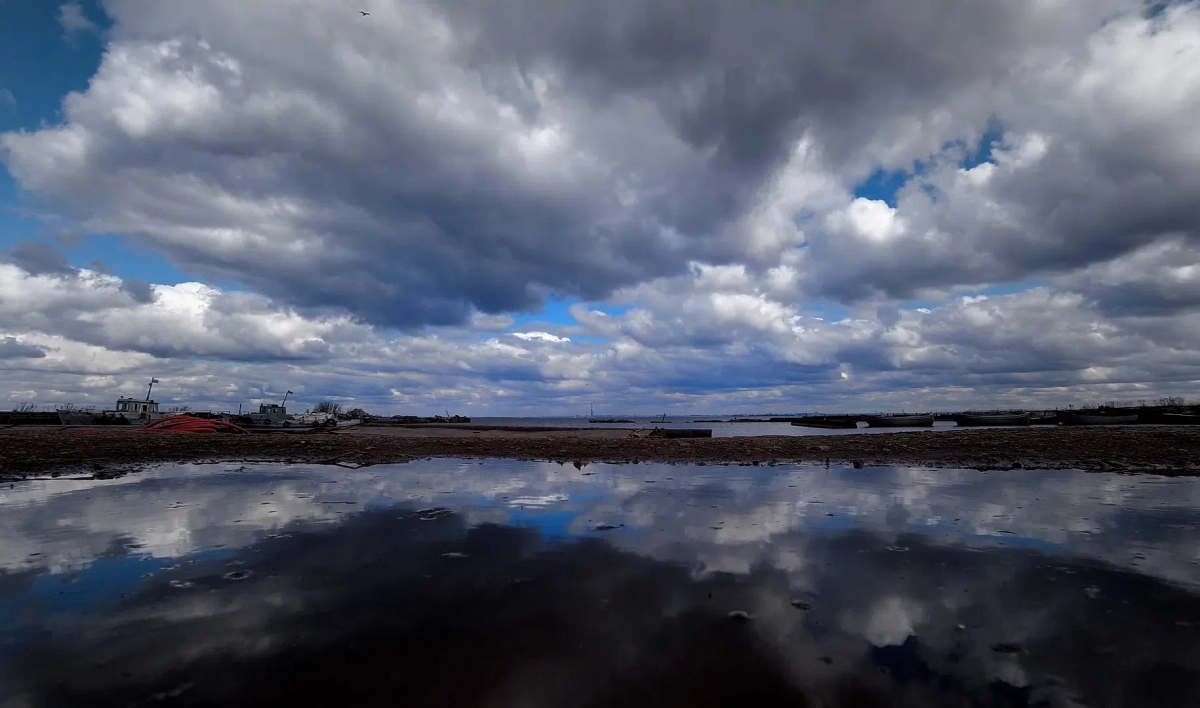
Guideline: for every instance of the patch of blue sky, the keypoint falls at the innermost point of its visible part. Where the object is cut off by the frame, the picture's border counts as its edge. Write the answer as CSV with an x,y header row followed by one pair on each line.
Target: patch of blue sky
x,y
919,305
1156,8
106,579
828,311
555,311
992,136
116,255
103,579
611,310
16,222
975,154
997,290
551,524
884,185
39,66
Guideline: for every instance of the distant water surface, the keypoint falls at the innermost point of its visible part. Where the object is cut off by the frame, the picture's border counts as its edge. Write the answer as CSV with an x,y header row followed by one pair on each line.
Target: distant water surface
x,y
506,583
720,430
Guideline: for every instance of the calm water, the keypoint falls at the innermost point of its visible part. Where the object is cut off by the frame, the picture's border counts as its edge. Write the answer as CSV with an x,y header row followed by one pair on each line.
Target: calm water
x,y
533,584
720,430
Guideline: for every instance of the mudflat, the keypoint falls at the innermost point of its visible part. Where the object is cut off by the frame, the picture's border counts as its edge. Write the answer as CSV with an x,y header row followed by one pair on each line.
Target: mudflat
x,y
26,451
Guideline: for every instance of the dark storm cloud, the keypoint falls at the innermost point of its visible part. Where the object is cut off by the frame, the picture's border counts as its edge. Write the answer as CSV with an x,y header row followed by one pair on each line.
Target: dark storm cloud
x,y
444,157
37,258
12,348
138,289
1159,280
745,80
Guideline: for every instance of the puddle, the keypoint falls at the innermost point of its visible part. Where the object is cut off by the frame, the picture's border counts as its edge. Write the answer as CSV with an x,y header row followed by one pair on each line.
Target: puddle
x,y
449,582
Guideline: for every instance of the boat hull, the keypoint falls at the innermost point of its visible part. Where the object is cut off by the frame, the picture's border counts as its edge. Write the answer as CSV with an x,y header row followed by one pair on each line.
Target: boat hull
x,y
681,433
978,420
901,421
1178,419
826,423
1067,418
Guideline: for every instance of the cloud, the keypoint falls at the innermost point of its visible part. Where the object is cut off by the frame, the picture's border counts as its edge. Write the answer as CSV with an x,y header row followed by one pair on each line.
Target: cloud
x,y
7,100
388,192
141,291
1094,164
37,258
1160,279
186,320
718,339
446,158
75,21
540,337
13,348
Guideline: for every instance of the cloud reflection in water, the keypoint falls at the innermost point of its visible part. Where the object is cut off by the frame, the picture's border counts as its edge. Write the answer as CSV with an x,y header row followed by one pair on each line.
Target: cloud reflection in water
x,y
925,587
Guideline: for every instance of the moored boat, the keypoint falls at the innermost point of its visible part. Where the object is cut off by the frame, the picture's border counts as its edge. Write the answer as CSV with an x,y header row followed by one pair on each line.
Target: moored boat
x,y
1177,419
129,411
975,420
827,423
680,433
1073,418
900,421
14,418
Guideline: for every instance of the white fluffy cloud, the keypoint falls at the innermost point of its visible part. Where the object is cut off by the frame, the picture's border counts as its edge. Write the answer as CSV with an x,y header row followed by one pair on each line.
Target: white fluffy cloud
x,y
390,190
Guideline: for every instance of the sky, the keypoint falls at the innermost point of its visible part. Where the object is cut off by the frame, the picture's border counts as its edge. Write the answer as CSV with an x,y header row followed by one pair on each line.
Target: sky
x,y
531,207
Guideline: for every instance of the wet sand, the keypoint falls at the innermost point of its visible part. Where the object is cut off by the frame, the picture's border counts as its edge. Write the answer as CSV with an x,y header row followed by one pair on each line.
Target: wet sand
x,y
26,451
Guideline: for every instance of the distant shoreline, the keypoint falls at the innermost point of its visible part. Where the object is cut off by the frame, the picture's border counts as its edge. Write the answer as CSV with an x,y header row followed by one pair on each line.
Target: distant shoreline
x,y
29,451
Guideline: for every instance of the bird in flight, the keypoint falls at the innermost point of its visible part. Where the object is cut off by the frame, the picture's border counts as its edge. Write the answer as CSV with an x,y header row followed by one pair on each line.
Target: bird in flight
x,y
364,14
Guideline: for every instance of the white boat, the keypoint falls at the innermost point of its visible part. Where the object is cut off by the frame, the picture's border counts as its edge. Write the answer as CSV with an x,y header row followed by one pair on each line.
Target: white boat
x,y
128,411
